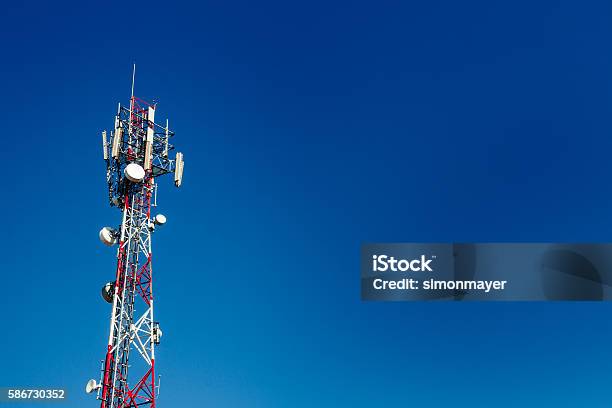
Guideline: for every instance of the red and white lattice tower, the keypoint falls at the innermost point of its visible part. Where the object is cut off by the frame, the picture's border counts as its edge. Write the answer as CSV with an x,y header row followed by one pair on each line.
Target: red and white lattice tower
x,y
136,153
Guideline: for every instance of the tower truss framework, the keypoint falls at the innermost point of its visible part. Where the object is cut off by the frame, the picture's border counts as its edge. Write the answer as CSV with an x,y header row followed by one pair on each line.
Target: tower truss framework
x,y
128,375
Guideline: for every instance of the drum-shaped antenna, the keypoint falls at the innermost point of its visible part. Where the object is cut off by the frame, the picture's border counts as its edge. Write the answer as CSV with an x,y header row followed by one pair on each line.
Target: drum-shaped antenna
x,y
134,172
108,236
160,219
107,292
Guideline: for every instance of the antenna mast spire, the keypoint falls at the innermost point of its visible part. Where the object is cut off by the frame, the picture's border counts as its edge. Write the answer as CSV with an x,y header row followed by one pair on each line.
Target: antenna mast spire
x,y
133,79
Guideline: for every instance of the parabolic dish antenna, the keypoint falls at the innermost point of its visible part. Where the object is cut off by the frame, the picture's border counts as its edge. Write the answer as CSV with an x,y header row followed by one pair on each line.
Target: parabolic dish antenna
x,y
134,172
107,236
107,292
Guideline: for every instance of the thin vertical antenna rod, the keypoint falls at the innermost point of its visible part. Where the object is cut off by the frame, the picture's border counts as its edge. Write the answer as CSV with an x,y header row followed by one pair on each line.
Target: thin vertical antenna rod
x,y
133,78
132,103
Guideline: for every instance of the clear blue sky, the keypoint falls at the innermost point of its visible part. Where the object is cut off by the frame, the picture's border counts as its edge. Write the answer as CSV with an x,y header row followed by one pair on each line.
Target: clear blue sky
x,y
308,129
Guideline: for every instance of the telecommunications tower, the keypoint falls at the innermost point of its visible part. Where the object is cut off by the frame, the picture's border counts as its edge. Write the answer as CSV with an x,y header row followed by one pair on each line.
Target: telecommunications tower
x,y
136,153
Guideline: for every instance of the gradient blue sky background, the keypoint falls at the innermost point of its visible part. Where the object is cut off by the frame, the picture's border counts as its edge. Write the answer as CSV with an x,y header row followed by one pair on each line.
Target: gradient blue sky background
x,y
308,129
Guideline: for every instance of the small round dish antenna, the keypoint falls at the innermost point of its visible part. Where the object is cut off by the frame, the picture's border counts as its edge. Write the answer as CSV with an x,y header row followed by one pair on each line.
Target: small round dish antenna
x,y
134,172
160,219
107,292
107,236
157,333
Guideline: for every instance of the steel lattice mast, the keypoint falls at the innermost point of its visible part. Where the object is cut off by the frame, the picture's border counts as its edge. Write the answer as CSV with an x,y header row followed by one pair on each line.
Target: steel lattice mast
x,y
135,153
